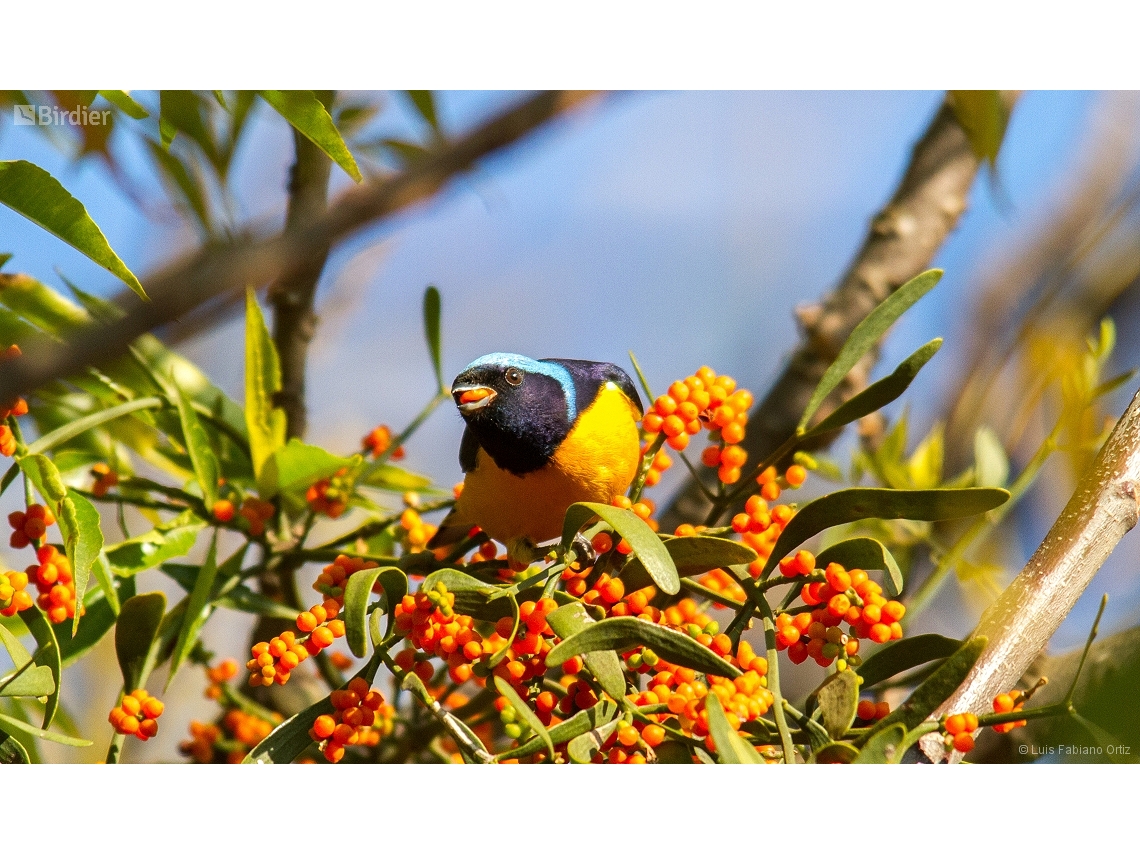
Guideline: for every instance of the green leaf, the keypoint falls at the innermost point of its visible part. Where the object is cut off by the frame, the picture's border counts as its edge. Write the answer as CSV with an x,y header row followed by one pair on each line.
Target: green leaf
x,y
581,722
582,748
625,633
302,110
43,474
198,609
471,594
35,681
395,585
424,102
984,116
357,593
199,448
33,192
936,688
135,634
42,306
691,556
527,715
866,335
188,185
96,623
125,102
880,393
644,541
674,753
83,540
265,422
865,553
836,752
731,747
385,476
48,654
991,466
169,540
431,331
102,569
10,724
297,466
884,746
11,750
860,503
838,698
571,619
73,429
904,654
470,745
16,651
242,599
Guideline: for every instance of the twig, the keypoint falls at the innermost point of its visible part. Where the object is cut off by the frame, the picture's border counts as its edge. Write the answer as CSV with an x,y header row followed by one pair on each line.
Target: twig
x,y
1103,509
901,243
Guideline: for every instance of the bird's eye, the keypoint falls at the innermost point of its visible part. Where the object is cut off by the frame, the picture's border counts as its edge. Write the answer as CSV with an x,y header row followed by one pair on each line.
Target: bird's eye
x,y
514,376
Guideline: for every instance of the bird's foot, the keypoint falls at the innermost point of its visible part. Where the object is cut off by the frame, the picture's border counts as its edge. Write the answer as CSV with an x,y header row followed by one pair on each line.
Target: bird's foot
x,y
584,550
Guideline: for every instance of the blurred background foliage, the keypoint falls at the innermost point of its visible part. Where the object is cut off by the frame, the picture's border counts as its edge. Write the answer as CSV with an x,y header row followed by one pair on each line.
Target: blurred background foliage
x,y
683,226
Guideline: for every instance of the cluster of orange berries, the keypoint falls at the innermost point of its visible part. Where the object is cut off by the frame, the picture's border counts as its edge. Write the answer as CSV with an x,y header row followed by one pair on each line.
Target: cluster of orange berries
x,y
719,581
960,729
29,526
18,407
661,462
329,496
13,597
240,732
1012,701
137,715
254,513
275,659
105,478
644,510
414,532
760,525
704,400
357,712
868,711
379,440
55,584
223,672
431,625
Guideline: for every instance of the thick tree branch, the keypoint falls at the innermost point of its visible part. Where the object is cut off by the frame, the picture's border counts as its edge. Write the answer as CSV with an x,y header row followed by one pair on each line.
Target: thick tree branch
x,y
902,241
214,270
1103,509
294,320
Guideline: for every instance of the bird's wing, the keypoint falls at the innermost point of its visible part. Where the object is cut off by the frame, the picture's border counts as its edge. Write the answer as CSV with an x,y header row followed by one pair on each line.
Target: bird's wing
x,y
468,450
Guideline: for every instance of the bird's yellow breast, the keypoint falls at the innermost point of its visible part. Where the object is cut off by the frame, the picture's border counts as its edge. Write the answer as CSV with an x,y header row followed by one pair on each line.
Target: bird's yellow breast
x,y
596,462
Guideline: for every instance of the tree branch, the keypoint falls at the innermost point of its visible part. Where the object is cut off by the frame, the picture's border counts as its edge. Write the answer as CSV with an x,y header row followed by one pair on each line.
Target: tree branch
x,y
1103,509
901,243
218,269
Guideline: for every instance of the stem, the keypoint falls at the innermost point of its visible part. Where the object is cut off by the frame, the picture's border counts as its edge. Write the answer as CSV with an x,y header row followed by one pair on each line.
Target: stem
x,y
774,681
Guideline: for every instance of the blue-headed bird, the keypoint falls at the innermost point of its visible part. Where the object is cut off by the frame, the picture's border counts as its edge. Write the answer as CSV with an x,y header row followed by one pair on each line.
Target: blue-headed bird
x,y
541,434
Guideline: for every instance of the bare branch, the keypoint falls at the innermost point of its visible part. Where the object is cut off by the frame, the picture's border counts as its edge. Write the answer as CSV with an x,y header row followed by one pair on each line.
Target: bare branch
x,y
1103,509
214,270
901,243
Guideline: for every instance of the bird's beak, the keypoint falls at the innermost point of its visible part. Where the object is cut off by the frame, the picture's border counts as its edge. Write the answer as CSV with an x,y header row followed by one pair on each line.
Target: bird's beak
x,y
472,398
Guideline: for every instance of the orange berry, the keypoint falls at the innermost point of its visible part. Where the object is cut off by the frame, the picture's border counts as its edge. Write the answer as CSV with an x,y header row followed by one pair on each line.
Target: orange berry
x,y
796,475
964,742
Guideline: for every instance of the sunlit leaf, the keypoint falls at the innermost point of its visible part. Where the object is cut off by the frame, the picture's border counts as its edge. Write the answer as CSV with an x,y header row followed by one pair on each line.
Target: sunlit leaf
x,y
47,654
83,540
731,747
298,465
884,746
431,331
691,556
357,594
125,102
904,654
581,722
526,714
582,748
135,634
302,110
265,422
166,541
571,619
197,609
983,115
838,699
642,539
34,193
10,724
991,465
865,553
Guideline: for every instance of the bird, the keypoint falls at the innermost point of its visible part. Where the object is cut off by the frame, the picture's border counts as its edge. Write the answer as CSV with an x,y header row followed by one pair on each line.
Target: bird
x,y
539,436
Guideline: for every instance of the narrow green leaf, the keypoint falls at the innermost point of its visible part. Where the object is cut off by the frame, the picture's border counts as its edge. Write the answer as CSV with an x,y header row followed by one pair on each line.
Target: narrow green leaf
x,y
199,448
865,553
866,335
42,306
644,541
984,116
297,466
880,393
431,331
936,688
527,715
582,748
571,619
34,193
12,751
424,102
198,609
83,541
471,594
47,654
691,556
385,476
102,570
166,541
991,466
904,654
96,624
125,102
625,633
188,185
581,722
73,429
135,633
731,747
357,594
10,724
45,477
16,651
395,585
35,681
884,746
302,110
838,698
265,422
860,503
